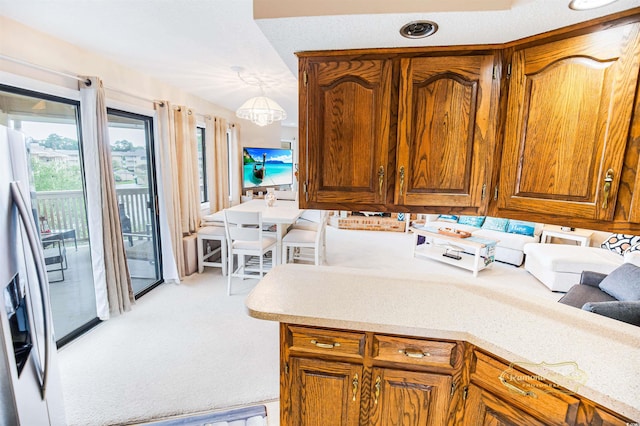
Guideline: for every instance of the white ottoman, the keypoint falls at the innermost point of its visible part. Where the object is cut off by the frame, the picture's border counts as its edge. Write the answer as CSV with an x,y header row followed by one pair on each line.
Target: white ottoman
x,y
558,266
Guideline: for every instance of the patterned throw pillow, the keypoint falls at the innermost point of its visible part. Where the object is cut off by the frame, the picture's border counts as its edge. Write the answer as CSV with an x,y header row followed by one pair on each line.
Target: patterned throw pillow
x,y
448,218
635,247
619,243
521,227
495,224
476,221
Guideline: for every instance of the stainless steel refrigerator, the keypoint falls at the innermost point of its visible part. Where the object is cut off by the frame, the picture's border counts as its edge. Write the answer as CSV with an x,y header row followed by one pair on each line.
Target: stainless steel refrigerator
x,y
30,387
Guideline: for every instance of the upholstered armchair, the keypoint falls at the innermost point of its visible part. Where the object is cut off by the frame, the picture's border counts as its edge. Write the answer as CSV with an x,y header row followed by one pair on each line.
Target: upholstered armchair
x,y
616,295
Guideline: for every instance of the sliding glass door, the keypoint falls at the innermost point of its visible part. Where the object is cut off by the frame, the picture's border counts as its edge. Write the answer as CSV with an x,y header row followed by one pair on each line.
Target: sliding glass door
x,y
52,134
132,155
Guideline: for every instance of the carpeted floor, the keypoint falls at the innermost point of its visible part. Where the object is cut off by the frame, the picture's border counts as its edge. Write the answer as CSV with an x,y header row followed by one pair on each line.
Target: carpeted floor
x,y
190,348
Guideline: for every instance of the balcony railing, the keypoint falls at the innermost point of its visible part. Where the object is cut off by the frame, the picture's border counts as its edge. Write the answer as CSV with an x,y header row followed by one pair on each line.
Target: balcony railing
x,y
66,209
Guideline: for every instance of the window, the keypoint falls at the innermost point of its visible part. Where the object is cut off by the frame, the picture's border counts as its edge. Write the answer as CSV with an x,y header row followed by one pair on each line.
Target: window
x,y
202,166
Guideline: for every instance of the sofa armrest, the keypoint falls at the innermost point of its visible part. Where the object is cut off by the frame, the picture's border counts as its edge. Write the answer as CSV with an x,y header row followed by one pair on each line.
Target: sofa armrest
x,y
628,311
591,278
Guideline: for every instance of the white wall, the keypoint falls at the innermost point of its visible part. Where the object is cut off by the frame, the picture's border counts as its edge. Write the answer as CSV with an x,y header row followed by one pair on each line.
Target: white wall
x,y
30,45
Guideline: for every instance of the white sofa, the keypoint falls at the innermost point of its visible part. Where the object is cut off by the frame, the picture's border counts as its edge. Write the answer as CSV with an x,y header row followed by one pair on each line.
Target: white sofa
x,y
510,247
559,266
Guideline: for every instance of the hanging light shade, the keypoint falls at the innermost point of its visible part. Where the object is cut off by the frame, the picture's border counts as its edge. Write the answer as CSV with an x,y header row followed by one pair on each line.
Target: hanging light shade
x,y
261,111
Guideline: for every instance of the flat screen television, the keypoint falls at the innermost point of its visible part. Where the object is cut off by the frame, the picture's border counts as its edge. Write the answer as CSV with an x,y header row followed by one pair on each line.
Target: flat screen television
x,y
266,167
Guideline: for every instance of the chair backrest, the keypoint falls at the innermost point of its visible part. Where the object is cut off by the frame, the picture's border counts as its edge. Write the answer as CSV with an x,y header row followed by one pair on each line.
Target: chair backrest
x,y
244,226
322,226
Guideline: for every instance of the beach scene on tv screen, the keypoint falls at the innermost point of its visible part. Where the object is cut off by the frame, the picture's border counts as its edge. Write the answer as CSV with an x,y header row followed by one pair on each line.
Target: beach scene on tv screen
x,y
267,167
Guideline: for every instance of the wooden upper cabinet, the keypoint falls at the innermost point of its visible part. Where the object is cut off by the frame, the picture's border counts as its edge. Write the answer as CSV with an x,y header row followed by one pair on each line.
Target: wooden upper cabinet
x,y
568,116
446,122
346,114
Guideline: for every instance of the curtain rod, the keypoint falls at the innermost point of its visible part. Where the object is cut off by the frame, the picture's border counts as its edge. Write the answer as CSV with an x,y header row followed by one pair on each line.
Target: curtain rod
x,y
41,68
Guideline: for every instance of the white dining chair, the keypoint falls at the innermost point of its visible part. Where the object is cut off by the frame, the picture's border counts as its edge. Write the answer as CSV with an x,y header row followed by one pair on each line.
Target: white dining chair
x,y
300,240
207,257
246,239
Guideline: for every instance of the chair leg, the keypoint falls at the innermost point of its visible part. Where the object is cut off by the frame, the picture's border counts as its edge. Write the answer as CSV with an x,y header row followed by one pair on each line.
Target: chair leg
x,y
230,273
223,256
262,264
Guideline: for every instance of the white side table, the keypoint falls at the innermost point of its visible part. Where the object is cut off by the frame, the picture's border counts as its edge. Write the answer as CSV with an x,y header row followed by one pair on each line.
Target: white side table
x,y
582,236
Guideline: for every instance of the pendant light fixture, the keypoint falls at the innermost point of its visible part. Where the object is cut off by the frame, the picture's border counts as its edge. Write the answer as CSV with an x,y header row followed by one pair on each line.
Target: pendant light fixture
x,y
260,110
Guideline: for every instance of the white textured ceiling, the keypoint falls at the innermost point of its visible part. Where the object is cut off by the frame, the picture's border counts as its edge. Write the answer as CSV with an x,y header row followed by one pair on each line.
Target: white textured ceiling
x,y
193,44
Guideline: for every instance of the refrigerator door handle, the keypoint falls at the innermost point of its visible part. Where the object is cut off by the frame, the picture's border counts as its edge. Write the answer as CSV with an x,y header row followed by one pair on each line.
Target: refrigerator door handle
x,y
36,249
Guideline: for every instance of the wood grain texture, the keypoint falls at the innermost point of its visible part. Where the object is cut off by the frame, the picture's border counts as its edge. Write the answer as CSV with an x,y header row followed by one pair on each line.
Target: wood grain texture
x,y
445,130
348,123
408,398
323,393
485,409
569,110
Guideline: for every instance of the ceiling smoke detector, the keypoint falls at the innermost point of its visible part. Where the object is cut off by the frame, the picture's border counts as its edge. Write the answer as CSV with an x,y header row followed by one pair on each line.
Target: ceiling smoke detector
x,y
418,29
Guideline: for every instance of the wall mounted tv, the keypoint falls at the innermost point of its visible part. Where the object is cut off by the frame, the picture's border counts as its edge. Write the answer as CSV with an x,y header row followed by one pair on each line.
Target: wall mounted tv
x,y
266,167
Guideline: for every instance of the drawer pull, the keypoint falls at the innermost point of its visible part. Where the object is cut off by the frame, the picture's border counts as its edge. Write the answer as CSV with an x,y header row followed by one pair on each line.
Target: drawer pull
x,y
325,345
355,386
412,353
516,389
377,392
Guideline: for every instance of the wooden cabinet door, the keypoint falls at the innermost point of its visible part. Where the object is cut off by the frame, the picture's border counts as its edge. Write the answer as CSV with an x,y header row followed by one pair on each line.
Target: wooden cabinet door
x,y
324,393
482,408
568,116
445,130
409,398
346,131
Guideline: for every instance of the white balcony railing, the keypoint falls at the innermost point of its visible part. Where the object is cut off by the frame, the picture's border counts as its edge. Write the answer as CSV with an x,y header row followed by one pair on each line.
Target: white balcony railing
x,y
66,209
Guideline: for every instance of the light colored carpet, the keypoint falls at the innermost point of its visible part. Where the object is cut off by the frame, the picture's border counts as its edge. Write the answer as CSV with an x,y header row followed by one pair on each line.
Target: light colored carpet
x,y
190,348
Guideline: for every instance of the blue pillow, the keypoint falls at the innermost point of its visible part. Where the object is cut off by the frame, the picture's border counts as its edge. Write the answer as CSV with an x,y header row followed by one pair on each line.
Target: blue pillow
x,y
476,221
623,283
521,227
448,218
495,224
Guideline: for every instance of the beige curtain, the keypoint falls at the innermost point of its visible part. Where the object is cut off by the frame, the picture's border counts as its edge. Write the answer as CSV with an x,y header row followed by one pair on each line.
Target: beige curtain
x,y
169,175
188,178
118,282
217,163
236,163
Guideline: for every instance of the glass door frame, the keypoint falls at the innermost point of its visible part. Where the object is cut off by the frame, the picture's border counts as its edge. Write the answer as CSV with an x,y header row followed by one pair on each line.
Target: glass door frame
x,y
153,190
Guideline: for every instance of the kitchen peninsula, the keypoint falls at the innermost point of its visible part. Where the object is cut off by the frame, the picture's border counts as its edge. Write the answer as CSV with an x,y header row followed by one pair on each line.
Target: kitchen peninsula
x,y
465,347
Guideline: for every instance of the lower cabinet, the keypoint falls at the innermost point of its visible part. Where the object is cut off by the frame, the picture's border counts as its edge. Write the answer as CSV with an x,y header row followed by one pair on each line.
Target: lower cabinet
x,y
344,377
408,398
324,392
486,409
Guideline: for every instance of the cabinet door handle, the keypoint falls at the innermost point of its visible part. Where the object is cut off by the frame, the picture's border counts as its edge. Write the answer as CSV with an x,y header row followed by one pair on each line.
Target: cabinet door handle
x,y
380,178
376,394
412,353
325,345
607,188
516,389
401,180
355,386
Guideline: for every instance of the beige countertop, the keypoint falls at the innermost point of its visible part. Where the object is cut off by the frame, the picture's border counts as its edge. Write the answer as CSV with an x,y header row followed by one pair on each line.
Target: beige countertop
x,y
516,326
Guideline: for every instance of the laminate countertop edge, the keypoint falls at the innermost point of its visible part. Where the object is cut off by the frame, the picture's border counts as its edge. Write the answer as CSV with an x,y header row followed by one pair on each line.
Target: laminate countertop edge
x,y
517,326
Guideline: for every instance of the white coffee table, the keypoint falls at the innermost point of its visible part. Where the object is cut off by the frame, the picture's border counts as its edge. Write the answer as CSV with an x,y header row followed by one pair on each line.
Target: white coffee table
x,y
444,248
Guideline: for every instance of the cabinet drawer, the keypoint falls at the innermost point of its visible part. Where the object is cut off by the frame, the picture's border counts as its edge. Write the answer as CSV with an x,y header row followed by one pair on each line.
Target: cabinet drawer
x,y
413,351
550,404
343,343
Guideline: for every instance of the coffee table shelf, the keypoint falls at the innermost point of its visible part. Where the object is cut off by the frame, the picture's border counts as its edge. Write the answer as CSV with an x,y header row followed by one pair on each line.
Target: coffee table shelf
x,y
474,255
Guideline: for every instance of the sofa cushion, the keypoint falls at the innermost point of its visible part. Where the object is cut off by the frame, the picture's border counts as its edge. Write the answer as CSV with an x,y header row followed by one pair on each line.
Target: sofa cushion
x,y
471,220
521,227
495,224
448,218
440,224
623,283
628,312
573,259
580,293
620,243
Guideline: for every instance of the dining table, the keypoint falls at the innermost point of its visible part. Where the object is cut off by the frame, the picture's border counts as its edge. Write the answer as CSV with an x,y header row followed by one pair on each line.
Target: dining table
x,y
282,213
